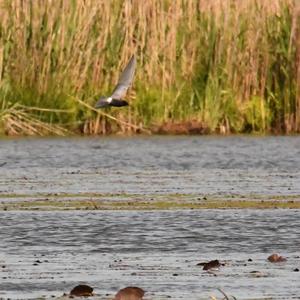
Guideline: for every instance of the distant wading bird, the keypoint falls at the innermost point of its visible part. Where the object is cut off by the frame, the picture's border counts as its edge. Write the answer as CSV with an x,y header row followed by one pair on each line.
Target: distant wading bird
x,y
120,90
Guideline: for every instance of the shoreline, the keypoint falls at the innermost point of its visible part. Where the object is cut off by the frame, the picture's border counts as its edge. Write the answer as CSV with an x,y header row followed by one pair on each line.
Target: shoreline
x,y
75,135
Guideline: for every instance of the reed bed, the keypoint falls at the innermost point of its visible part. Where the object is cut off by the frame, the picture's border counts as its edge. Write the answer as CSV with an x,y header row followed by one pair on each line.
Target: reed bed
x,y
226,66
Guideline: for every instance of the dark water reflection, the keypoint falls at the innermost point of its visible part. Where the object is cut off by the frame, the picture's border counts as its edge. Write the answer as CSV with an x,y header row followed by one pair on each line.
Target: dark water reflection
x,y
113,249
207,165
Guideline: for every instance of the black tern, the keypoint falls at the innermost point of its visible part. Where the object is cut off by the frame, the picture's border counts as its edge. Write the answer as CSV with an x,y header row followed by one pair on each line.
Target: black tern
x,y
120,90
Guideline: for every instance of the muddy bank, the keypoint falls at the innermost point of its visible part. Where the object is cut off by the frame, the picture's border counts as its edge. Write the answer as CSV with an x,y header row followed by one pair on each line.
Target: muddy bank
x,y
191,127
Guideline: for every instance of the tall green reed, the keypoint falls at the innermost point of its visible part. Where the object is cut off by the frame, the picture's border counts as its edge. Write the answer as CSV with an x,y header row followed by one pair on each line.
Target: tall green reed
x,y
232,67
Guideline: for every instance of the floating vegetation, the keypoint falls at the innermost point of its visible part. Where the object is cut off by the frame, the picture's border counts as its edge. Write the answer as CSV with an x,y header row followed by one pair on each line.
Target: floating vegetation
x,y
94,201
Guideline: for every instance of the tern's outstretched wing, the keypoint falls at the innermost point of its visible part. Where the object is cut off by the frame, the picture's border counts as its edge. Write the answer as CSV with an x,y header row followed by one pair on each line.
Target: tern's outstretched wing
x,y
125,80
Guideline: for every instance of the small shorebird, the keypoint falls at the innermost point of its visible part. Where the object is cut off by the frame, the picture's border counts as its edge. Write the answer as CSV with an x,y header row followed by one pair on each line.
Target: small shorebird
x,y
120,90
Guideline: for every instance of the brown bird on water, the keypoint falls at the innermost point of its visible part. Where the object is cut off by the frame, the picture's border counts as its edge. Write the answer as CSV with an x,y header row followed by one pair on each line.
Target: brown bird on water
x,y
82,290
130,293
276,258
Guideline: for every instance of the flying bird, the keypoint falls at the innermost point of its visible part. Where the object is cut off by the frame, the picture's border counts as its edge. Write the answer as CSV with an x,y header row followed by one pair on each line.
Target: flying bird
x,y
120,90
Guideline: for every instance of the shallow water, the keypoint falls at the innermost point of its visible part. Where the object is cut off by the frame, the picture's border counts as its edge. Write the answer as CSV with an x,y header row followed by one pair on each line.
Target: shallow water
x,y
47,253
112,249
152,165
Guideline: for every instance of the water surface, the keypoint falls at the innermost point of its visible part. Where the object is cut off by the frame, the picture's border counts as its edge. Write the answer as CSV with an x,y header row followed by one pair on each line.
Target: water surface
x,y
152,165
48,253
155,250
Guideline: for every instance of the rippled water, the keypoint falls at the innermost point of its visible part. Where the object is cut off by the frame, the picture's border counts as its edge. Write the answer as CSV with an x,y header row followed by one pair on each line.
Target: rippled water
x,y
110,250
205,165
47,253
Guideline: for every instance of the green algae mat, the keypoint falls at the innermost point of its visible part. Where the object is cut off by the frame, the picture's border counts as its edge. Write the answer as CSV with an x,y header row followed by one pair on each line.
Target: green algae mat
x,y
107,201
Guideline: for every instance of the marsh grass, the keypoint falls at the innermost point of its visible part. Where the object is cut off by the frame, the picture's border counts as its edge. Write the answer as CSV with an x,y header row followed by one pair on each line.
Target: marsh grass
x,y
234,67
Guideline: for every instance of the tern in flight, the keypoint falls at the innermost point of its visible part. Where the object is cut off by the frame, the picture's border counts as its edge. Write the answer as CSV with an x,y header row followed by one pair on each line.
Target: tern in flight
x,y
120,90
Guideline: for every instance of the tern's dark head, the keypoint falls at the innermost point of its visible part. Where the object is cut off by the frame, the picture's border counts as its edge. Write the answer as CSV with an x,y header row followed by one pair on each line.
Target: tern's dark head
x,y
109,101
118,103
